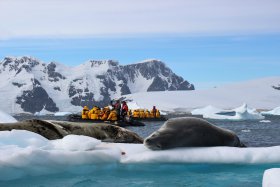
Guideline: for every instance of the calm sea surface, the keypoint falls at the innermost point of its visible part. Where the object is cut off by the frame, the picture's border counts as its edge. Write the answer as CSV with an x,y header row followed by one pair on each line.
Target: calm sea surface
x,y
252,133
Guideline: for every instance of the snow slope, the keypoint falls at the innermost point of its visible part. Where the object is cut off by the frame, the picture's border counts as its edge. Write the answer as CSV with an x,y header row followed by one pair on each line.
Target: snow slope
x,y
258,94
30,85
6,118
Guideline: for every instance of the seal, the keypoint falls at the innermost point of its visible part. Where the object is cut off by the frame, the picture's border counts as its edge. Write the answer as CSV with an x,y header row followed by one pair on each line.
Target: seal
x,y
190,132
58,129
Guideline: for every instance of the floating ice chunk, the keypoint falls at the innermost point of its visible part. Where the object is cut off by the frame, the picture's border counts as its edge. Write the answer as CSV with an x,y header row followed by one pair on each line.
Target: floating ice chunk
x,y
62,113
275,111
243,112
240,113
271,178
246,130
6,118
265,121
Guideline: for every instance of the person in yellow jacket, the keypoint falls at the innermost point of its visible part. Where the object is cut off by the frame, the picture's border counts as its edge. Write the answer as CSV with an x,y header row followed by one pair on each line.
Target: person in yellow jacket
x,y
142,113
105,115
85,112
113,116
147,114
94,115
157,114
136,114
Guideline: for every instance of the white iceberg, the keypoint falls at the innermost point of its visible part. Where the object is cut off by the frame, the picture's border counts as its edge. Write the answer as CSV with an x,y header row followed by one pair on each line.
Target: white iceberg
x,y
271,178
245,113
6,118
62,113
275,111
240,113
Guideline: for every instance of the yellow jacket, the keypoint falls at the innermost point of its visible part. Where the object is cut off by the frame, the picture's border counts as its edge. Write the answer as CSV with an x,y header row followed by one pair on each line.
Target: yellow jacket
x,y
136,114
157,114
94,115
142,114
147,114
113,116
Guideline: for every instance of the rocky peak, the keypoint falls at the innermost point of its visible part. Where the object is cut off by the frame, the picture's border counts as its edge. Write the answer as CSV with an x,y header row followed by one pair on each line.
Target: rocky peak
x,y
97,63
19,63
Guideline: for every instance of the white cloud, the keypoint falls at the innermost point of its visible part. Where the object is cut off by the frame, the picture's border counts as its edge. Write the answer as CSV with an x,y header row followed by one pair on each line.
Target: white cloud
x,y
85,18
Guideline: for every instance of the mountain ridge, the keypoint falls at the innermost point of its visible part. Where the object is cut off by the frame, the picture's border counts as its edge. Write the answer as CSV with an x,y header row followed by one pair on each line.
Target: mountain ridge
x,y
33,85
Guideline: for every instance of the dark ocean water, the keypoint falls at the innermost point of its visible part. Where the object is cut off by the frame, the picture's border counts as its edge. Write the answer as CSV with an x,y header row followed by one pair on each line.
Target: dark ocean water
x,y
252,133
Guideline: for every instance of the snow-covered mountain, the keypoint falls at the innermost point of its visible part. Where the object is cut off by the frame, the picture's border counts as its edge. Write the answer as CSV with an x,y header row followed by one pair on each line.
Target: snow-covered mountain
x,y
29,85
260,94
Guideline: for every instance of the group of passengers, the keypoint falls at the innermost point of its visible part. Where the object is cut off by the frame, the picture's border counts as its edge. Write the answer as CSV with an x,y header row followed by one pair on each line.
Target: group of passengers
x,y
117,111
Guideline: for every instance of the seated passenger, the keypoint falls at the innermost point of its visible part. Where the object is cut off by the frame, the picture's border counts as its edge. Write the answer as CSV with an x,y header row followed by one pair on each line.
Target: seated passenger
x,y
113,116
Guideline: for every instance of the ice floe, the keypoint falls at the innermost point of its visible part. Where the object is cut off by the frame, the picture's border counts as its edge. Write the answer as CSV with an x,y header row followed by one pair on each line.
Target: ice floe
x,y
62,113
25,153
271,178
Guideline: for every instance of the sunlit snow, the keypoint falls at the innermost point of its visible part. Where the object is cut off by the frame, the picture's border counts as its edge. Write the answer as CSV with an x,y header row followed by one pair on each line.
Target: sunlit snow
x,y
6,118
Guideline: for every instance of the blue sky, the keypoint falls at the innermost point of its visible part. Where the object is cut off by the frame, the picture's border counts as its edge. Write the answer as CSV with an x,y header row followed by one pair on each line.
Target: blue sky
x,y
207,42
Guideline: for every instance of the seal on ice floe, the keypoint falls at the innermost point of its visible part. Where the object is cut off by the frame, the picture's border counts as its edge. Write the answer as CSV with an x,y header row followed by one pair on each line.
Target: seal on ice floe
x,y
190,132
58,129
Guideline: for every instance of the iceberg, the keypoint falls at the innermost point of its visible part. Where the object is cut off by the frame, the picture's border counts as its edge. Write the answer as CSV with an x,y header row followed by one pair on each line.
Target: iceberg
x,y
271,178
25,153
241,113
6,118
62,113
275,111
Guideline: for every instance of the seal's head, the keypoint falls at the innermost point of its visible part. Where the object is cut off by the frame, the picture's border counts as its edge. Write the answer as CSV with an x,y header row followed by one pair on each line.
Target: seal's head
x,y
160,139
